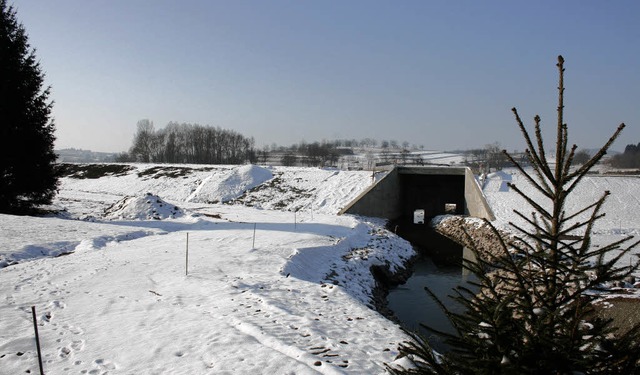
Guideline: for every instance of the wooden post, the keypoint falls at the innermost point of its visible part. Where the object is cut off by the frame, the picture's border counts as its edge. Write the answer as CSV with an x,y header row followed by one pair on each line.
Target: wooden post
x,y
186,272
253,246
35,327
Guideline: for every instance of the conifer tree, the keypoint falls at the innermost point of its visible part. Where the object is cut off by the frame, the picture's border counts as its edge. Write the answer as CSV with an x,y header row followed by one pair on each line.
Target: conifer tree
x,y
531,309
28,172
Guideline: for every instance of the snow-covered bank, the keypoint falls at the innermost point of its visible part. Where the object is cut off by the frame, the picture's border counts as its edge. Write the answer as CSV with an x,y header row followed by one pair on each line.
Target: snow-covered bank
x,y
266,291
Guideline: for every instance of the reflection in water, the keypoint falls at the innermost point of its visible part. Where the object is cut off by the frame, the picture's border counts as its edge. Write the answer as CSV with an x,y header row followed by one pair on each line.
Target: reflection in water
x,y
412,305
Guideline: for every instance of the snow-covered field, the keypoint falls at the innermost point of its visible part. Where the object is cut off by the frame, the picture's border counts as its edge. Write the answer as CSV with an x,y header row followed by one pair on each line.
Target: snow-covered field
x,y
622,207
277,283
268,290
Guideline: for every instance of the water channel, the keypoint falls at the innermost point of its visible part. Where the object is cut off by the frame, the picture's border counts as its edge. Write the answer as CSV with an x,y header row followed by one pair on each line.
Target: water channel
x,y
439,267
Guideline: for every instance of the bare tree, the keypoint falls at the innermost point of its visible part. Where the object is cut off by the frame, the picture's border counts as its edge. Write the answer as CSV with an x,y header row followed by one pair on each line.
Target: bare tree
x,y
142,141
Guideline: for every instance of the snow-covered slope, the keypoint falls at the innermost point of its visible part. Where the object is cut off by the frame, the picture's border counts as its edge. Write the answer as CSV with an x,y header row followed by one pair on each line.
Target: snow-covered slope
x,y
622,207
281,188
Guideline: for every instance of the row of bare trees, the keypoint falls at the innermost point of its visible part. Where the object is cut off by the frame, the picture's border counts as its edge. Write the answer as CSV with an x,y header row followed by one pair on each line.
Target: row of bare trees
x,y
189,143
630,158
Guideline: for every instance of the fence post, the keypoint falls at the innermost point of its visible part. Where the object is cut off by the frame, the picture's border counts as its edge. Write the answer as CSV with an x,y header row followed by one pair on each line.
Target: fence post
x,y
186,268
253,246
35,327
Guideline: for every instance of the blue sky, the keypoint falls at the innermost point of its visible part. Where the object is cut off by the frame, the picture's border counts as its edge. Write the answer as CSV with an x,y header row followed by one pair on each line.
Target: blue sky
x,y
442,74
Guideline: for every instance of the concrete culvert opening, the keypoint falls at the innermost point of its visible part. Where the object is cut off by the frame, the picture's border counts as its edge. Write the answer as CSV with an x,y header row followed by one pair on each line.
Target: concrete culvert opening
x,y
409,197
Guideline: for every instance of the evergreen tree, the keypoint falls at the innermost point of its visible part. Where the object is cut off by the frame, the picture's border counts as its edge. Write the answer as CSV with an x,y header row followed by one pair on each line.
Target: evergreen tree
x,y
28,173
531,309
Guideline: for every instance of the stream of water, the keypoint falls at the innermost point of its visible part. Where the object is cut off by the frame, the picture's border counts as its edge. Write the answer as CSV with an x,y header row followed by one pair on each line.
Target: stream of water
x,y
412,305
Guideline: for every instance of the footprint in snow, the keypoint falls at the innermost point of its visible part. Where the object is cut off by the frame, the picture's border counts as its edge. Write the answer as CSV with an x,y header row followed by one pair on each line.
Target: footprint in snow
x,y
67,351
56,304
64,352
102,366
73,329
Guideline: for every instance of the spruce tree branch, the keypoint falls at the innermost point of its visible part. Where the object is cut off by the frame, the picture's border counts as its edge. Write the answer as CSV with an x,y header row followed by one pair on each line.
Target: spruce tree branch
x,y
533,223
577,225
531,149
567,164
541,183
585,209
543,164
607,270
536,293
531,202
521,245
614,246
594,217
508,259
582,171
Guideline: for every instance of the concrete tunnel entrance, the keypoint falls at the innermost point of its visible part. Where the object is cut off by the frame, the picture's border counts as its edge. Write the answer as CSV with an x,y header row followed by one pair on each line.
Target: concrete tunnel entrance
x,y
428,195
407,194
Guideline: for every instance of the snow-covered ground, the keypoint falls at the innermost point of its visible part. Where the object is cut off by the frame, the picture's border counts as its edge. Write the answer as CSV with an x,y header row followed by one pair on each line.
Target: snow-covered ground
x,y
621,208
277,283
267,291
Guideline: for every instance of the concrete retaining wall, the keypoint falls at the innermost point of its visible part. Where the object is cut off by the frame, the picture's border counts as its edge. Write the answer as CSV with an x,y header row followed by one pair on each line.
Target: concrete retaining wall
x,y
380,200
476,202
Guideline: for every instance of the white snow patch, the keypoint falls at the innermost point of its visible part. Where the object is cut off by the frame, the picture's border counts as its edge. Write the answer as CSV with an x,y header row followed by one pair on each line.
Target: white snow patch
x,y
225,187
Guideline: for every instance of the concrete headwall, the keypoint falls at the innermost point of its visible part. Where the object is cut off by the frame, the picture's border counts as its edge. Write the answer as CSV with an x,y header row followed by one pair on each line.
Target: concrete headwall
x,y
476,202
380,200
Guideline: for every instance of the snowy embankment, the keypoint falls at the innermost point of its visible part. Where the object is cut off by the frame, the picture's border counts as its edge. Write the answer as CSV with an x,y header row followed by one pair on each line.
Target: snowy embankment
x,y
267,291
275,188
621,209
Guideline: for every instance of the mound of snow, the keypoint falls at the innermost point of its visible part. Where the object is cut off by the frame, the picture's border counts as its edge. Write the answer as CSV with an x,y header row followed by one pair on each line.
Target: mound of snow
x,y
147,207
229,186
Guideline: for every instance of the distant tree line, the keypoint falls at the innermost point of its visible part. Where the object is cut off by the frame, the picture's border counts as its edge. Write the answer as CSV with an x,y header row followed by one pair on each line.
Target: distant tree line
x,y
364,143
316,154
487,159
328,153
630,158
198,144
189,143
